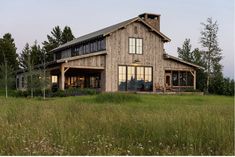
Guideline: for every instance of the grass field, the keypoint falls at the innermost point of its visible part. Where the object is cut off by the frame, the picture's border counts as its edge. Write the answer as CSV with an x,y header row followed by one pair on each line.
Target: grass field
x,y
117,125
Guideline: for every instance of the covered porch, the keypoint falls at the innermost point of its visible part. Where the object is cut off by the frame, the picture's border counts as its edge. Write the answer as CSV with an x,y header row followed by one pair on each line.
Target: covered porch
x,y
180,80
77,77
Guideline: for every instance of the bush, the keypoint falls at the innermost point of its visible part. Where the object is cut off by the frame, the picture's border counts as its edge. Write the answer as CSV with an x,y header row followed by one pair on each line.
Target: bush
x,y
117,98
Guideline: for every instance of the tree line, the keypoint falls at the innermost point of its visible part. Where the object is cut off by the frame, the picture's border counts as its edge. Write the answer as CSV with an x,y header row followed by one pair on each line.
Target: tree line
x,y
32,59
36,56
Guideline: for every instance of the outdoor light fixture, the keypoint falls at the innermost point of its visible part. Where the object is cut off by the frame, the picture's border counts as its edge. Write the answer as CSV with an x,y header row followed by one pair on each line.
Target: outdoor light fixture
x,y
136,62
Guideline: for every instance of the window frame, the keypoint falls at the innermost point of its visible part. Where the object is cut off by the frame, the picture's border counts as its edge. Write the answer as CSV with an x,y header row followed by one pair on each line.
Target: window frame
x,y
135,45
180,72
135,76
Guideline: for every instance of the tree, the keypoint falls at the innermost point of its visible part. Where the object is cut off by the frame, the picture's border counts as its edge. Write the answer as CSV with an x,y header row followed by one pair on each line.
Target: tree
x,y
27,62
9,64
8,48
211,55
56,39
185,52
67,35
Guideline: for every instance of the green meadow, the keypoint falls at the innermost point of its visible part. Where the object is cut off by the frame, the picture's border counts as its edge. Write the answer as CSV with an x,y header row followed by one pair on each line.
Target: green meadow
x,y
117,124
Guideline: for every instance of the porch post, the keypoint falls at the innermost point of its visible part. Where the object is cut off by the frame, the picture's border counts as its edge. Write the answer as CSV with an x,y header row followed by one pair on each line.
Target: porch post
x,y
62,77
194,80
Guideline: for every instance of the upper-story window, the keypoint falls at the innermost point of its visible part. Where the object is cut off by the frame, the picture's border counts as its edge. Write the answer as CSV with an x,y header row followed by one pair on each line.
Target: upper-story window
x,y
89,47
135,45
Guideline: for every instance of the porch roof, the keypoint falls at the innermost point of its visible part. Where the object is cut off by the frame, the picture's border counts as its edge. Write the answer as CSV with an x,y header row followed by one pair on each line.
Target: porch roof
x,y
167,56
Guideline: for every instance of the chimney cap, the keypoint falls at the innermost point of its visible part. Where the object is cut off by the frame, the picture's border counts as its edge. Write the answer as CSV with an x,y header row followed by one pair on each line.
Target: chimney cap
x,y
149,15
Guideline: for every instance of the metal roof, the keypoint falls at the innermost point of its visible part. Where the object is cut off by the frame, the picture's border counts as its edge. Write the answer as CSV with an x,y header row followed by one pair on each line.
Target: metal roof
x,y
105,31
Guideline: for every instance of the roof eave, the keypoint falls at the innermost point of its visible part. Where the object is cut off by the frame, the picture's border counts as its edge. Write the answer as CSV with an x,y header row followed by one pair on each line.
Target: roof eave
x,y
182,61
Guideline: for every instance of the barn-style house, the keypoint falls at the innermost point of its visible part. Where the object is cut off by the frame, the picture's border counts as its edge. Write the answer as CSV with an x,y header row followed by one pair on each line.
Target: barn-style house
x,y
128,56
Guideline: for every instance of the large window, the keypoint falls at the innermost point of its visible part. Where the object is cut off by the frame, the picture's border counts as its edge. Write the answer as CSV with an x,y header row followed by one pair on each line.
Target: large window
x,y
135,46
135,78
182,78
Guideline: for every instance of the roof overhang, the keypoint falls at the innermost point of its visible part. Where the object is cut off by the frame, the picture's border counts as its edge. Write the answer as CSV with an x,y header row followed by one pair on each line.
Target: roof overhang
x,y
167,56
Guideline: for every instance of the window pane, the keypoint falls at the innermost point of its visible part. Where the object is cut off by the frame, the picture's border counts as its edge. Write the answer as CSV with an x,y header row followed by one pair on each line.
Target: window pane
x,y
175,78
131,45
140,78
148,84
103,45
189,79
122,78
139,44
131,82
54,79
182,77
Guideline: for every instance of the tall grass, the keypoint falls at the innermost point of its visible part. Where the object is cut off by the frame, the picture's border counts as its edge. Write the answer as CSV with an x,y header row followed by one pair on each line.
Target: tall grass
x,y
117,124
117,98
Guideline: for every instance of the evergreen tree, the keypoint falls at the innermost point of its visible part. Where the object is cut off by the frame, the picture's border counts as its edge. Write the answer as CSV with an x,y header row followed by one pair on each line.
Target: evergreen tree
x,y
8,48
56,39
212,53
67,35
185,52
24,57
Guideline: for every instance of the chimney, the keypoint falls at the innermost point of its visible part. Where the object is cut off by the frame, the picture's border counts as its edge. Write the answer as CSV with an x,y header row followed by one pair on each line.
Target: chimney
x,y
151,19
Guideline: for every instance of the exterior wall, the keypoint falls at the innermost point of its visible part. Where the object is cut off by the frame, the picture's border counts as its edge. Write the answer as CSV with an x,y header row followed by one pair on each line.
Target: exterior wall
x,y
92,61
118,53
173,65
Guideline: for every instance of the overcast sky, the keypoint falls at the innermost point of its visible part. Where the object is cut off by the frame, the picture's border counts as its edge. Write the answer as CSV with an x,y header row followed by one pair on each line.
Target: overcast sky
x,y
30,20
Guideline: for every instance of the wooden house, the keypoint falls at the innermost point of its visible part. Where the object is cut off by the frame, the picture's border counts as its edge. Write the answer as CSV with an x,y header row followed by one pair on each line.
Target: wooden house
x,y
128,56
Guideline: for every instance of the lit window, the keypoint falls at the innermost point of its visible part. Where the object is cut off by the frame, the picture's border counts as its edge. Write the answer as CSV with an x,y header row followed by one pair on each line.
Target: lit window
x,y
139,46
133,78
131,45
148,74
135,46
54,79
122,78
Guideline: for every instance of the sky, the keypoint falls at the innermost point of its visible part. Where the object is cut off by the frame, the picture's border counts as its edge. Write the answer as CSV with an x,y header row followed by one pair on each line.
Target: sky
x,y
30,20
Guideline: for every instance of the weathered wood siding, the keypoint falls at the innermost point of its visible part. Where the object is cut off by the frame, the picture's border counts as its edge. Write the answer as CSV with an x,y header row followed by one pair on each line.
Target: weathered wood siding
x,y
174,65
92,61
117,53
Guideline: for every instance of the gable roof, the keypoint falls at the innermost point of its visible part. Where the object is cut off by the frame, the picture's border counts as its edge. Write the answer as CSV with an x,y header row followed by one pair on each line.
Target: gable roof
x,y
106,31
167,56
